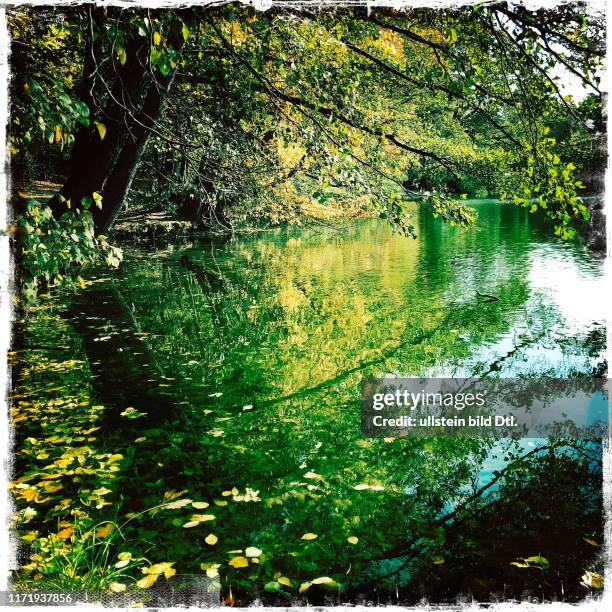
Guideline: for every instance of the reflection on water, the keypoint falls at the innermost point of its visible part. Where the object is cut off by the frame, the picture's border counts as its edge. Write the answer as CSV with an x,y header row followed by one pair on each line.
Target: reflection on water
x,y
245,357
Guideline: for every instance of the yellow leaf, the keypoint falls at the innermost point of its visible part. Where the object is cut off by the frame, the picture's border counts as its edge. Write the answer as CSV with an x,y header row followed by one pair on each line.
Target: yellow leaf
x,y
239,562
117,587
252,551
125,556
157,568
157,38
169,573
58,134
200,505
211,569
179,503
305,586
439,561
147,581
64,534
202,518
325,580
593,580
102,532
591,542
361,487
101,129
211,539
101,491
284,580
310,536
352,540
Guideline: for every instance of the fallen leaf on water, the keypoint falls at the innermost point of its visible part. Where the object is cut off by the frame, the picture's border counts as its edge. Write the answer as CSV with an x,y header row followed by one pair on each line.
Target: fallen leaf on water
x,y
211,569
157,568
239,562
147,581
200,505
64,534
592,580
179,503
326,580
102,532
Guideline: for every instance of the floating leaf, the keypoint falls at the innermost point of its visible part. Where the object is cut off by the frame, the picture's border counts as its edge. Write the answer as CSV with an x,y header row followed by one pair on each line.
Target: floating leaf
x,y
326,580
592,580
239,562
591,542
309,536
64,534
203,518
147,581
157,568
211,569
538,560
101,129
28,514
102,532
179,503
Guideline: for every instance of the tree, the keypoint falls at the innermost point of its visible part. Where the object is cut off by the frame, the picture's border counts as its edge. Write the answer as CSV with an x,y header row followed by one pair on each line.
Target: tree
x,y
261,115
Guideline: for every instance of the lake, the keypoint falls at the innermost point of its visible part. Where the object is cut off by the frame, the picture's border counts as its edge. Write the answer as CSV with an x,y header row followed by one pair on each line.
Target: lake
x,y
228,372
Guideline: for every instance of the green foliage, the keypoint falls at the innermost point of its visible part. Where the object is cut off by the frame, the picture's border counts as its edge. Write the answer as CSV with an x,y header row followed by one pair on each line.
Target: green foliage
x,y
54,251
552,187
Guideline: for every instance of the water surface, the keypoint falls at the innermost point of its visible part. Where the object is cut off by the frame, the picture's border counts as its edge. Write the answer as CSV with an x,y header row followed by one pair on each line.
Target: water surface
x,y
229,371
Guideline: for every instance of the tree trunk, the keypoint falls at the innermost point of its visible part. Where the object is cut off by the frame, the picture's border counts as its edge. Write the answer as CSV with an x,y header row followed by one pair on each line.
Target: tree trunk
x,y
134,100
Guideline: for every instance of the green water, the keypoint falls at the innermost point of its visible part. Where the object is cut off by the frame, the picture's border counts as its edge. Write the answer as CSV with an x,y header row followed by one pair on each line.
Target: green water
x,y
242,360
